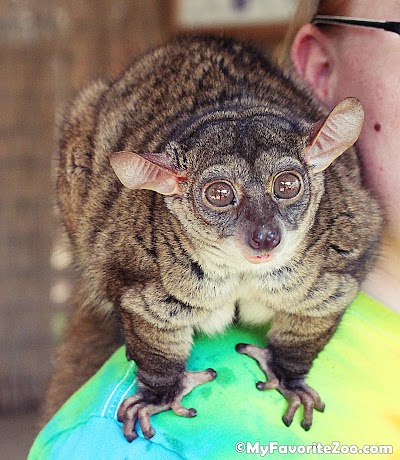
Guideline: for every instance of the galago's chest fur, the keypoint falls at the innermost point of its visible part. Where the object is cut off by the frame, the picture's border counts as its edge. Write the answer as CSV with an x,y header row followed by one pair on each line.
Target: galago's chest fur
x,y
248,293
251,298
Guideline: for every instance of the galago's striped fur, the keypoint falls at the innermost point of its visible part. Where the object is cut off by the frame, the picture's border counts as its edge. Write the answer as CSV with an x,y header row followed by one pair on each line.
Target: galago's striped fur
x,y
203,187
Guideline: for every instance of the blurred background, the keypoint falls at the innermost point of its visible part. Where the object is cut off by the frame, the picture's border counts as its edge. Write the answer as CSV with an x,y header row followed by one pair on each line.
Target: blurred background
x,y
49,49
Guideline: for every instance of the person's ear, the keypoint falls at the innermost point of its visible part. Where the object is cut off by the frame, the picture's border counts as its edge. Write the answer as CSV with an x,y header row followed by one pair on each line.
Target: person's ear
x,y
312,59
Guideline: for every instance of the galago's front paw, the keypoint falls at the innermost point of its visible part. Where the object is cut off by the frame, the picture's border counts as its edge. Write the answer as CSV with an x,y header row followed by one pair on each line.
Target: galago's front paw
x,y
141,405
296,393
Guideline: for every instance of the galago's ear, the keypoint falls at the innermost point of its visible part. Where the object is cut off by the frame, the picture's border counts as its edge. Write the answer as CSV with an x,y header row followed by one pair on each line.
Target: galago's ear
x,y
150,171
336,134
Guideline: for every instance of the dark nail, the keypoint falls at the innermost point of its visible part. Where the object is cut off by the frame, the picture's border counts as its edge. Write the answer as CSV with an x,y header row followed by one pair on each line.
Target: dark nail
x,y
212,372
287,421
260,385
149,434
240,347
131,437
306,426
320,408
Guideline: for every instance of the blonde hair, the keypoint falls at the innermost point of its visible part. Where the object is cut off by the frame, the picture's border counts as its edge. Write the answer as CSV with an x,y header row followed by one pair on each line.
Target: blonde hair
x,y
306,9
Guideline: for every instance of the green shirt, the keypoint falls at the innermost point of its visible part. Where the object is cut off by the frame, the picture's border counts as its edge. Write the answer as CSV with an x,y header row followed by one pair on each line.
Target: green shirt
x,y
357,376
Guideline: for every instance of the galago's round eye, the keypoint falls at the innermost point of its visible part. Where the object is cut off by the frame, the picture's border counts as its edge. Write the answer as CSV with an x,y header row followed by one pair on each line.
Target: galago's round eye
x,y
287,185
219,194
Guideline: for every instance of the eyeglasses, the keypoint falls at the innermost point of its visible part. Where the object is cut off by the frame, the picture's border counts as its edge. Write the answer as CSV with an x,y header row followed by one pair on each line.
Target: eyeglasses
x,y
342,20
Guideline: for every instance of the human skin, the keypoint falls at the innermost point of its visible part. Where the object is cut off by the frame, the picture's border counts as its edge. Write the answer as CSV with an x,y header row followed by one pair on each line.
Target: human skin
x,y
365,63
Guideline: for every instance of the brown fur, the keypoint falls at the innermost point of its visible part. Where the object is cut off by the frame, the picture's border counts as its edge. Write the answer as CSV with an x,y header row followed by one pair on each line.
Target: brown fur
x,y
90,340
170,265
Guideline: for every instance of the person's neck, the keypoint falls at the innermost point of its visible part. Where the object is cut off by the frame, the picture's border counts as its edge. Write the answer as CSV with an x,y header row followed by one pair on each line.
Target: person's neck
x,y
383,283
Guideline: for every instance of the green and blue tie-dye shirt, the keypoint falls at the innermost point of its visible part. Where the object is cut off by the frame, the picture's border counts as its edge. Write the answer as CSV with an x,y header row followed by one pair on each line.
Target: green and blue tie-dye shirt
x,y
357,376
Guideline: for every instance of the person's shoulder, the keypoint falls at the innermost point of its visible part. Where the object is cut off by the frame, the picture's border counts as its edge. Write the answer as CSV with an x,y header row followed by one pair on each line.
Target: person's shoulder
x,y
232,413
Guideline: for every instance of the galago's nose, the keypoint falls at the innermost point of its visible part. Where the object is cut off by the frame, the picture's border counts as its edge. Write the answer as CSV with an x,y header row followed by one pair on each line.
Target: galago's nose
x,y
265,237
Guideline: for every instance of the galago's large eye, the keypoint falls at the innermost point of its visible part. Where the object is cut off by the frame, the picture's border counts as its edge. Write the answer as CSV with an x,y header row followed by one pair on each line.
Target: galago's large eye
x,y
287,185
219,194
